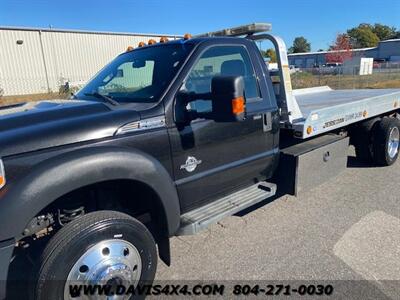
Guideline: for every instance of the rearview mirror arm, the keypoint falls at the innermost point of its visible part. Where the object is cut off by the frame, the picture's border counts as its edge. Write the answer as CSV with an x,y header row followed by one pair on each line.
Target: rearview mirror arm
x,y
192,114
192,96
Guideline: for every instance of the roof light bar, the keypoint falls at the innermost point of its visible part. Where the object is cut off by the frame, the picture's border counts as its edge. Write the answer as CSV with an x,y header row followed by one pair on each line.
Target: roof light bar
x,y
240,30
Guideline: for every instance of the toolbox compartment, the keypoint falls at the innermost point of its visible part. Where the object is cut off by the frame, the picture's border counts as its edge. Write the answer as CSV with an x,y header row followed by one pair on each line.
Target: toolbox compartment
x,y
306,165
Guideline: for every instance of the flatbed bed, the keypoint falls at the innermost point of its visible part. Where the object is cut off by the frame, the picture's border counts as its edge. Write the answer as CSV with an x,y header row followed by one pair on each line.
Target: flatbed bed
x,y
324,109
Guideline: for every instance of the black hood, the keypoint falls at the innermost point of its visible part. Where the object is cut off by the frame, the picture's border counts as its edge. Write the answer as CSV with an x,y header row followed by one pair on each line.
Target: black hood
x,y
42,124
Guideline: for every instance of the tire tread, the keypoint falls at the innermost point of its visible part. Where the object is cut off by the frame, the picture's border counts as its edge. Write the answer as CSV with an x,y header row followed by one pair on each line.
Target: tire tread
x,y
380,135
66,234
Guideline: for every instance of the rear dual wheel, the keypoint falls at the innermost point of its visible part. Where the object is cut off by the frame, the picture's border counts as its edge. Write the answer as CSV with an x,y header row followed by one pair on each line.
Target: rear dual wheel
x,y
377,140
362,140
385,146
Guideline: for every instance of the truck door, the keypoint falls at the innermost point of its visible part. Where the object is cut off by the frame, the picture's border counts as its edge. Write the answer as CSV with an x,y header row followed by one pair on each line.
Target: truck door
x,y
212,159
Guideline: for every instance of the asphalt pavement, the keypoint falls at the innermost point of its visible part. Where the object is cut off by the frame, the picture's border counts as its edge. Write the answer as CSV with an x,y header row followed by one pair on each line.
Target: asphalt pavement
x,y
345,231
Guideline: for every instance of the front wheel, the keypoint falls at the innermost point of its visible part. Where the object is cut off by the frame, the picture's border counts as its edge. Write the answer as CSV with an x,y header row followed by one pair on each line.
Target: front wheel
x,y
100,248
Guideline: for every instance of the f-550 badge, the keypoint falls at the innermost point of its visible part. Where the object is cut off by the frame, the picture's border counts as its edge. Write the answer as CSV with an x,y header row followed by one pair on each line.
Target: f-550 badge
x,y
190,164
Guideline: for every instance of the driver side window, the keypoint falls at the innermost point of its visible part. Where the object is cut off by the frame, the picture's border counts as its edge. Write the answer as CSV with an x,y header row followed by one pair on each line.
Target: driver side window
x,y
220,60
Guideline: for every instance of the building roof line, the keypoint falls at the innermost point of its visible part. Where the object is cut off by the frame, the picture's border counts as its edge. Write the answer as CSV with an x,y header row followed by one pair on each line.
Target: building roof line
x,y
324,52
86,31
390,40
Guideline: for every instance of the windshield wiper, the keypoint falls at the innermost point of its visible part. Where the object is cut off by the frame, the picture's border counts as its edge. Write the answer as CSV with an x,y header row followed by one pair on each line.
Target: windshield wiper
x,y
103,97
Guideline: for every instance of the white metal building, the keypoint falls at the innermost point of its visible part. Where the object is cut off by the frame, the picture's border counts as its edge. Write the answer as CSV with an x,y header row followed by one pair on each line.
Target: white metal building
x,y
35,60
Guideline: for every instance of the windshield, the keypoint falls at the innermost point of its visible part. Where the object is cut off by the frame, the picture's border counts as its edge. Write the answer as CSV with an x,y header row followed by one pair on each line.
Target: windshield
x,y
141,75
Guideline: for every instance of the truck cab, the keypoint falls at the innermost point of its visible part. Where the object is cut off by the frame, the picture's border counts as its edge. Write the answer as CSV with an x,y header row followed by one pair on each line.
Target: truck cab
x,y
222,155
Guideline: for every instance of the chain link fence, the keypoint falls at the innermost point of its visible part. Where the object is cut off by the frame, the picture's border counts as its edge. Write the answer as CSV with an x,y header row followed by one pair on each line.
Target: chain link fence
x,y
384,75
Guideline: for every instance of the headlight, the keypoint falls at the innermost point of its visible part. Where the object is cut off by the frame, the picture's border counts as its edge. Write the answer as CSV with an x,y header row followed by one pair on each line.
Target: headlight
x,y
2,175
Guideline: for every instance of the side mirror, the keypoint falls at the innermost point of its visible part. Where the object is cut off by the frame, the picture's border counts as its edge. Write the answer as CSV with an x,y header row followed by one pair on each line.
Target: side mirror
x,y
227,98
138,63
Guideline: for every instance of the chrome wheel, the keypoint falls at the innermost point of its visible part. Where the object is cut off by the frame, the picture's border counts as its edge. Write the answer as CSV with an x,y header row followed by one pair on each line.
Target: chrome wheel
x,y
393,143
110,262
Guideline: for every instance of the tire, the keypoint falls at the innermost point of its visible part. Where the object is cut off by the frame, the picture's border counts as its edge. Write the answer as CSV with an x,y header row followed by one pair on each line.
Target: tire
x,y
127,240
363,151
385,141
362,140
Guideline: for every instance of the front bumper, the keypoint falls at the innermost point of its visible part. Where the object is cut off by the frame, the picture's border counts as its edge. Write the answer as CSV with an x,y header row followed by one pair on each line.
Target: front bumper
x,y
6,250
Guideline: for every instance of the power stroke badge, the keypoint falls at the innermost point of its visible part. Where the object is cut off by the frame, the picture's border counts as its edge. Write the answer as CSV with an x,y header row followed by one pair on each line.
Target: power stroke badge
x,y
190,164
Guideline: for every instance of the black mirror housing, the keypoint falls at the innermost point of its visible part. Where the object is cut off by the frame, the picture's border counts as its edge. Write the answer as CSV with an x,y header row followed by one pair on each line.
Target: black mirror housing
x,y
228,101
138,63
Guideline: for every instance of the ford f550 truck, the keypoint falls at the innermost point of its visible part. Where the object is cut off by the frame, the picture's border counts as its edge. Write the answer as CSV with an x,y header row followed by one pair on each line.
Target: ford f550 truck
x,y
165,140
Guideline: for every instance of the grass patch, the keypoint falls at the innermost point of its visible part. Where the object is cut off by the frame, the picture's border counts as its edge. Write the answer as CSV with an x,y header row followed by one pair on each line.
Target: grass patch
x,y
373,81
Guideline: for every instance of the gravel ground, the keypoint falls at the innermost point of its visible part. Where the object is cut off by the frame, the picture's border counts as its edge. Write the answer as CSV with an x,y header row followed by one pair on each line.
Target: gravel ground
x,y
346,231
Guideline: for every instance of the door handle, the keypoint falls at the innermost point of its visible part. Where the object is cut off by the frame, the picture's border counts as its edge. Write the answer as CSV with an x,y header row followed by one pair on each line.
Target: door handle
x,y
267,122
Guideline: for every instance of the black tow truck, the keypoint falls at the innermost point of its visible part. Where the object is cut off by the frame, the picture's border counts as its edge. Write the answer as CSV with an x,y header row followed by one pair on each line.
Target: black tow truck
x,y
165,140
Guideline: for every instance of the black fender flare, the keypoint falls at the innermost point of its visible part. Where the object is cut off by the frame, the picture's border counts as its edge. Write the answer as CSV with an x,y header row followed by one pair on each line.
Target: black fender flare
x,y
61,174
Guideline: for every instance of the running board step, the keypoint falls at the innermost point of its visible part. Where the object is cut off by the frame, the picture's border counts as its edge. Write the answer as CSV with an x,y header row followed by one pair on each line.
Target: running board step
x,y
200,218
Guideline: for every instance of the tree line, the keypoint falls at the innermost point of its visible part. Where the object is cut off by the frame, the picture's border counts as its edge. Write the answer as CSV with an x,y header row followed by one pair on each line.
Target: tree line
x,y
363,36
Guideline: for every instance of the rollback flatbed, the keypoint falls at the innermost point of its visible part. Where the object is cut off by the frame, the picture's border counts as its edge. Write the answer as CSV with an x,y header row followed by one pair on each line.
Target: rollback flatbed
x,y
324,109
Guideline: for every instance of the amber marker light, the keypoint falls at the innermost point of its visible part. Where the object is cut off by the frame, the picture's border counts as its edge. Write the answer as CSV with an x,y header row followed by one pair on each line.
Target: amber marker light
x,y
2,175
163,39
151,42
187,36
142,44
238,106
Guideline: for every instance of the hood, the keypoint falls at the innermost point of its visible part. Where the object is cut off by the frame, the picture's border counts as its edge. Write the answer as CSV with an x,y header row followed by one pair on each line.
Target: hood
x,y
49,123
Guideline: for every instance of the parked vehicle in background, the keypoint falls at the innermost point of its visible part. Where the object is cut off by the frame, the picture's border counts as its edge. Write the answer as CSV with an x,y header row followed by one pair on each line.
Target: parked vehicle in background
x,y
166,140
329,69
272,66
294,69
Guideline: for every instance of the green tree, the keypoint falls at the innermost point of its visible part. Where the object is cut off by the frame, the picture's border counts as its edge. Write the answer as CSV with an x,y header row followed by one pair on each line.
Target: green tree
x,y
363,36
271,54
384,32
300,44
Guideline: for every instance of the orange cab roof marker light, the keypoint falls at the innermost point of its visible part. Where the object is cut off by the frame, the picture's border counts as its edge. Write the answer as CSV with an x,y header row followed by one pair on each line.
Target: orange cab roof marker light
x,y
130,48
163,39
142,44
187,36
151,42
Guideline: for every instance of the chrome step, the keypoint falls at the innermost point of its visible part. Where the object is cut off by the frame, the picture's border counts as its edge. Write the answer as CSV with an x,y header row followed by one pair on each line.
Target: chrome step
x,y
200,218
